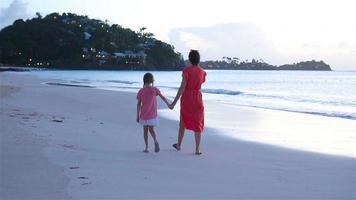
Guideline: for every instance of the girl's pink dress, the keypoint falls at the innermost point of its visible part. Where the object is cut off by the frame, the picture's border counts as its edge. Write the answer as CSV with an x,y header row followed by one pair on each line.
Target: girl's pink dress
x,y
191,104
147,95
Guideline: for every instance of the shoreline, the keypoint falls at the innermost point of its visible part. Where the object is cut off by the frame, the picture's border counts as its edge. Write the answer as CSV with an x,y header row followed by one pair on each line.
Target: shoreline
x,y
21,68
231,93
348,117
92,135
287,130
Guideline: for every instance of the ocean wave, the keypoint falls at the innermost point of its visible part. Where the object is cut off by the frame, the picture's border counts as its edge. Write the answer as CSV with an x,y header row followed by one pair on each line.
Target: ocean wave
x,y
80,82
70,85
273,97
210,91
167,87
302,100
351,116
221,91
123,87
326,114
339,115
120,81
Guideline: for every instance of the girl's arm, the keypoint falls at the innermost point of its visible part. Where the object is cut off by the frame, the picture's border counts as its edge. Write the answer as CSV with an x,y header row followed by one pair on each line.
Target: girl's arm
x,y
179,93
164,99
138,110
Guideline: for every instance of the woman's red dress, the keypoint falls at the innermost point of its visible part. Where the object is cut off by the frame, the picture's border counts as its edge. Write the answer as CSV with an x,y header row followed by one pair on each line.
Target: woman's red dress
x,y
191,104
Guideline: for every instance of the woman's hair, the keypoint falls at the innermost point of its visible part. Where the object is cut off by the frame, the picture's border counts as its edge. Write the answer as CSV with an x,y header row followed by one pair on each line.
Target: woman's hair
x,y
194,57
148,78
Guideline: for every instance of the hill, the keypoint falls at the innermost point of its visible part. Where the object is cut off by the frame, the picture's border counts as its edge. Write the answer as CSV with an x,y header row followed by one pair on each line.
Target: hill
x,y
74,41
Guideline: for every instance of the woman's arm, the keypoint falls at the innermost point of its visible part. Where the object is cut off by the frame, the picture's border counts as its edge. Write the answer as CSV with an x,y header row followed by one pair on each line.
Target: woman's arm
x,y
180,92
138,110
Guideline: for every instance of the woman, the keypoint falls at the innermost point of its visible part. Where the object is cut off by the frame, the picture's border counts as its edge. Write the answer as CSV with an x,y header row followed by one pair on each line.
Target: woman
x,y
191,104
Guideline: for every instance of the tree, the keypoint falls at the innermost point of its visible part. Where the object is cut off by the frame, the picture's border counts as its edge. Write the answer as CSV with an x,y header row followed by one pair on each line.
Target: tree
x,y
39,16
59,39
144,36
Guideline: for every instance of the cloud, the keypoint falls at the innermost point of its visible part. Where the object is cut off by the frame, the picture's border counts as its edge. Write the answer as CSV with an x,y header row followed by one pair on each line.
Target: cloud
x,y
340,55
16,10
195,41
243,40
247,41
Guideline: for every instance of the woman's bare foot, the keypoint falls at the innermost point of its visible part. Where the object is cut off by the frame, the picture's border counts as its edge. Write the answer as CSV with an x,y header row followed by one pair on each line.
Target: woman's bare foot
x,y
176,147
198,153
146,151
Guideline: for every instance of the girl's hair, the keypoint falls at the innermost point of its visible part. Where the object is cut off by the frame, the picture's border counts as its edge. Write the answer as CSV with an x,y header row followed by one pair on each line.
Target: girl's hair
x,y
147,78
194,57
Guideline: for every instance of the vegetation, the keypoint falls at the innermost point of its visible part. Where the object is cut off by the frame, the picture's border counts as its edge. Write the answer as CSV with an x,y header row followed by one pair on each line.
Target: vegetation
x,y
235,64
73,41
307,65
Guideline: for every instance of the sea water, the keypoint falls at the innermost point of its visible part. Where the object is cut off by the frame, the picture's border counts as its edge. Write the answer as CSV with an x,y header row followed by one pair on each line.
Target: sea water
x,y
327,93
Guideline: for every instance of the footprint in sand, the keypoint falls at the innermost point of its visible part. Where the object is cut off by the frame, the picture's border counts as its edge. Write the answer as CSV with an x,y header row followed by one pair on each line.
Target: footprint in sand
x,y
69,146
57,120
74,167
84,178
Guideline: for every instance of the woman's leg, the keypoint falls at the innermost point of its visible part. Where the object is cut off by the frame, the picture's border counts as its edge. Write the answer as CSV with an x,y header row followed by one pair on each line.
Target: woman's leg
x,y
180,133
197,142
145,136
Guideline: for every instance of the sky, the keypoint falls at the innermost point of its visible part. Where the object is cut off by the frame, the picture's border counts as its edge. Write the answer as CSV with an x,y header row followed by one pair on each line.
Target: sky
x,y
276,31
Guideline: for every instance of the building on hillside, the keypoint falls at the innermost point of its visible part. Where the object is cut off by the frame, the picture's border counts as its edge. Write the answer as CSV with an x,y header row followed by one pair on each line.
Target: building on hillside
x,y
128,57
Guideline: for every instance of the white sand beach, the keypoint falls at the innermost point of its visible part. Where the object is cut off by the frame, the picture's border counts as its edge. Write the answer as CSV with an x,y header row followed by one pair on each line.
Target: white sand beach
x,y
60,142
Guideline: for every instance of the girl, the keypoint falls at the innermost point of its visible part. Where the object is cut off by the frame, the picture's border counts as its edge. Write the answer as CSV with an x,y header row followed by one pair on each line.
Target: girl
x,y
147,109
191,103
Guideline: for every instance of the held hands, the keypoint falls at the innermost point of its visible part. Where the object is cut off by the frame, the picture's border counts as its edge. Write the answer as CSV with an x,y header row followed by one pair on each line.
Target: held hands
x,y
171,106
137,119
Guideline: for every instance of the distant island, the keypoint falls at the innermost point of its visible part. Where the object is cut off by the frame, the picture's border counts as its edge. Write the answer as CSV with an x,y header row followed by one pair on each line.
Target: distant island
x,y
228,63
70,41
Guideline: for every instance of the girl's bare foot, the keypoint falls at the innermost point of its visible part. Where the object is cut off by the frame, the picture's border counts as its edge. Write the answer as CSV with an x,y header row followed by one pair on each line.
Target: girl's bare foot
x,y
146,151
176,147
198,153
156,147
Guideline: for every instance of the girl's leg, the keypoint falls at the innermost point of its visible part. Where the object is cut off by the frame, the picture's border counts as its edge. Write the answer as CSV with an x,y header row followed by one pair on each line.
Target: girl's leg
x,y
197,142
145,137
153,134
